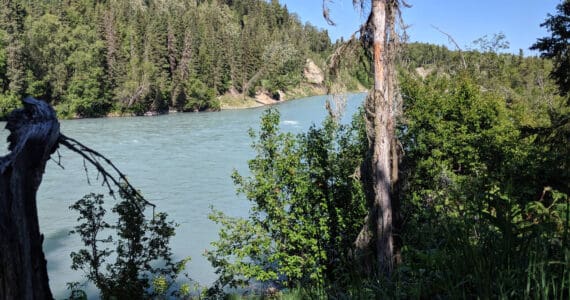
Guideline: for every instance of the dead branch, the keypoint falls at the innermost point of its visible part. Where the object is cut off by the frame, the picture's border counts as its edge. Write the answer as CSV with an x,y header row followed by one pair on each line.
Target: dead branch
x,y
326,13
99,161
452,40
341,53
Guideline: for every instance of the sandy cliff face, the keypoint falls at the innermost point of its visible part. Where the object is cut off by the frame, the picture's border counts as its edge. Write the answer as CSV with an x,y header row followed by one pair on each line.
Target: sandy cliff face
x,y
313,73
264,98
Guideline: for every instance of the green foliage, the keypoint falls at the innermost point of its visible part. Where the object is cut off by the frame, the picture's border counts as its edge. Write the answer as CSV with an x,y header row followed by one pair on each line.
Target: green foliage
x,y
85,89
557,45
282,63
8,102
12,73
199,96
87,58
46,39
483,192
306,208
479,221
141,251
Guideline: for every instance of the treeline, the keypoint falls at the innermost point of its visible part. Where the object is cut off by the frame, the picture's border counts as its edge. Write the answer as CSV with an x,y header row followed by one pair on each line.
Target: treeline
x,y
523,81
89,58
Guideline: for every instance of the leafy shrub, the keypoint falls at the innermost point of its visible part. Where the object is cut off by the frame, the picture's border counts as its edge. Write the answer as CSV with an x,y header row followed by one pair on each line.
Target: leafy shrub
x,y
199,96
479,222
306,209
140,247
8,102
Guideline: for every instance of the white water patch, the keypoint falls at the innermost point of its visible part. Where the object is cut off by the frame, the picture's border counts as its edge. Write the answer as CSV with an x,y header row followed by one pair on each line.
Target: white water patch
x,y
291,122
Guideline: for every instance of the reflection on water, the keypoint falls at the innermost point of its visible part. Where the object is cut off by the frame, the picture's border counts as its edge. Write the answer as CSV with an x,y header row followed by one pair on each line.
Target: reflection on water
x,y
181,162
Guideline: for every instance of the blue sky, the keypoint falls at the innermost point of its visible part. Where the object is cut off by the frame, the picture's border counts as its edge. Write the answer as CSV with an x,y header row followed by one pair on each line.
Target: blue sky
x,y
465,20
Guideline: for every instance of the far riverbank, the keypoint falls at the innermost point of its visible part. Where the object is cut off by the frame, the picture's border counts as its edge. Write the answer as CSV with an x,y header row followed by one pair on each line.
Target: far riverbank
x,y
240,101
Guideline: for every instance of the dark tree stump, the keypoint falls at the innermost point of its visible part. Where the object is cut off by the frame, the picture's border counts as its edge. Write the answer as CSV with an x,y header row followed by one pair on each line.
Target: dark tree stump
x,y
34,134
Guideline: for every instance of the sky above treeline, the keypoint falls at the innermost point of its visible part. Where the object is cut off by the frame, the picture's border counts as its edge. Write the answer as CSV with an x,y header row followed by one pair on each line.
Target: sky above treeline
x,y
464,20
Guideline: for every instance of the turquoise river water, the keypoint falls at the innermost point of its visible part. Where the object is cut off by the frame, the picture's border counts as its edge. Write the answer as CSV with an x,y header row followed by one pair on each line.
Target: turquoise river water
x,y
181,162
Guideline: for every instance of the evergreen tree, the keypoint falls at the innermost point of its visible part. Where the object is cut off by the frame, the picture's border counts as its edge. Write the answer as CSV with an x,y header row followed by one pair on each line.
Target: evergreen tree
x,y
12,15
557,45
148,55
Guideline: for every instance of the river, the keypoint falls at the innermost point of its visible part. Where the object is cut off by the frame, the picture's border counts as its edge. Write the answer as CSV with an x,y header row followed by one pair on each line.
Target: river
x,y
181,162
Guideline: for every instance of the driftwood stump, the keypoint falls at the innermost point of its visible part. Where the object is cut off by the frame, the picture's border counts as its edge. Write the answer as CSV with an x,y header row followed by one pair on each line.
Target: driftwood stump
x,y
34,135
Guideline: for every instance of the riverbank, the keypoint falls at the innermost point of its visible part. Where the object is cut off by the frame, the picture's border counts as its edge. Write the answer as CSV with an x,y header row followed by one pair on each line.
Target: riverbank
x,y
240,101
236,101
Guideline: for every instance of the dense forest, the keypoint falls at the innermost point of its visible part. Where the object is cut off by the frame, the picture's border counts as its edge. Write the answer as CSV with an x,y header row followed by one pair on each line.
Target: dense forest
x,y
90,58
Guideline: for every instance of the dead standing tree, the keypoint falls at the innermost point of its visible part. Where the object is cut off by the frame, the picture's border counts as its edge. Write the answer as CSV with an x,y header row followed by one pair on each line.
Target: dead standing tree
x,y
34,137
34,134
379,173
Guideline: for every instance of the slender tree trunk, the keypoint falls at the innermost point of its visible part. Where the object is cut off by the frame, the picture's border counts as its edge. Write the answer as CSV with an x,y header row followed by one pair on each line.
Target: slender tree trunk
x,y
382,124
379,121
111,44
34,134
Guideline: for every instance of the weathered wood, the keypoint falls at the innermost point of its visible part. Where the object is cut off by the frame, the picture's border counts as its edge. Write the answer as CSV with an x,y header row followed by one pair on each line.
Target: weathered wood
x,y
34,134
376,236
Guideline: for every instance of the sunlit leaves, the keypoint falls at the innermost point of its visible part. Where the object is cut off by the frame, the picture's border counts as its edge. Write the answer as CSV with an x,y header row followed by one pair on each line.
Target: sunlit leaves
x,y
306,208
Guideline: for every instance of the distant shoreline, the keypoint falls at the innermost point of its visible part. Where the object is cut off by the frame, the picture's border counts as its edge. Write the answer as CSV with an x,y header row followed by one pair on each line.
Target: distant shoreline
x,y
233,102
237,101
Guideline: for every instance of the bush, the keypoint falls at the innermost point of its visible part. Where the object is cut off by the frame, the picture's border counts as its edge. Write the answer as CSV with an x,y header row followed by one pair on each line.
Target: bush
x,y
479,222
141,248
8,102
306,209
199,97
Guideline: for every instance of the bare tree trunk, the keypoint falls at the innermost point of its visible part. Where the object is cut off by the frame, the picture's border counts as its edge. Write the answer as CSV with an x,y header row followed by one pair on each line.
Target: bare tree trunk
x,y
253,79
379,121
34,134
111,43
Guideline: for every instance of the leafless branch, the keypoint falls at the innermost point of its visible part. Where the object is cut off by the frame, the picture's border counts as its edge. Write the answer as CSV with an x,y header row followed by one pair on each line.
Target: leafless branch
x,y
344,50
452,40
99,161
326,12
87,172
58,161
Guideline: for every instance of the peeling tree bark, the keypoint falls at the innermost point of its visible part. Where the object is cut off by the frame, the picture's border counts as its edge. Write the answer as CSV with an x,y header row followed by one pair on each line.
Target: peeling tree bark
x,y
34,134
382,126
375,243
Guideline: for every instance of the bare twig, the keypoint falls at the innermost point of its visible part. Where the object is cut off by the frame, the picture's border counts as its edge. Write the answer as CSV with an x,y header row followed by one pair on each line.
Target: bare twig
x,y
338,98
58,161
87,172
452,40
342,52
326,13
98,160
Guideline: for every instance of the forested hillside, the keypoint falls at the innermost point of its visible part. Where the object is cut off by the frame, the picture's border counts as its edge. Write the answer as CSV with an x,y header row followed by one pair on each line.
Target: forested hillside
x,y
522,81
89,58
